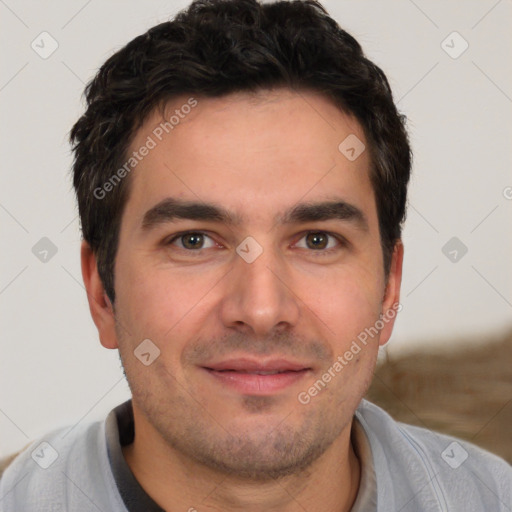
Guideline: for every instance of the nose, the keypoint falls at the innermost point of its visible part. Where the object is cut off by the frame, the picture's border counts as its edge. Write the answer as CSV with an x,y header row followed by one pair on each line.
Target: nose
x,y
259,297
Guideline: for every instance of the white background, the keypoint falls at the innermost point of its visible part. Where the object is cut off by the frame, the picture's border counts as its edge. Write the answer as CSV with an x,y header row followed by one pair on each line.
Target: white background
x,y
53,370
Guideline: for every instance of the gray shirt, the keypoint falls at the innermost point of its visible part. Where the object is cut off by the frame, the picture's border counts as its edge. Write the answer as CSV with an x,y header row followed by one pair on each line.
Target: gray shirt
x,y
404,468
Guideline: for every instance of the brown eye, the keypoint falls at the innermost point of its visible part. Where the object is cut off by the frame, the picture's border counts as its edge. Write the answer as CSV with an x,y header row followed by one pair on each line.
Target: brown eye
x,y
193,241
317,240
320,242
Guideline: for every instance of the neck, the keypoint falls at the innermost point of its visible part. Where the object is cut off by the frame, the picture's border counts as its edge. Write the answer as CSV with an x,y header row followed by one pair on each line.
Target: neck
x,y
176,482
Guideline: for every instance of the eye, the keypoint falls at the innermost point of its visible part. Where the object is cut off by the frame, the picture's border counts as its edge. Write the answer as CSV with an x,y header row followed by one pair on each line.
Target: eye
x,y
192,241
319,241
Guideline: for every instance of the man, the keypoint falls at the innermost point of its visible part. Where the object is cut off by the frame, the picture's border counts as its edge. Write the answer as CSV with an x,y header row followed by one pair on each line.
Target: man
x,y
241,176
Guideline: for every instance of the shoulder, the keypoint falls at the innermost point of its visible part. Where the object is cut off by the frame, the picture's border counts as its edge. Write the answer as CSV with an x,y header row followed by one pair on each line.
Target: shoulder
x,y
50,467
8,459
28,469
444,469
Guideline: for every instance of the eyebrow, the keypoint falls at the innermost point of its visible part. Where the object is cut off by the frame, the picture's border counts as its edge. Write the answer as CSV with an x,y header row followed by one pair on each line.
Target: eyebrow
x,y
170,209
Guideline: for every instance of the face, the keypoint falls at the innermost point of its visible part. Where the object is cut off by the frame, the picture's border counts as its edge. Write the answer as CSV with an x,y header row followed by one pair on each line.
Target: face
x,y
252,295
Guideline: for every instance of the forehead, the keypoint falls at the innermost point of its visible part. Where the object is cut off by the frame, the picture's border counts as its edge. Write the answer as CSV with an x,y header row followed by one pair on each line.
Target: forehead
x,y
254,153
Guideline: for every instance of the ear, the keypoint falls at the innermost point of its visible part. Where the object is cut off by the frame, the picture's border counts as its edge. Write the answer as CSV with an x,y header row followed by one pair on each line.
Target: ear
x,y
391,302
100,306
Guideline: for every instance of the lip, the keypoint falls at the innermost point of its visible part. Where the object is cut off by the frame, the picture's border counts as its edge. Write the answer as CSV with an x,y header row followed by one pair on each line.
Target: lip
x,y
244,364
249,376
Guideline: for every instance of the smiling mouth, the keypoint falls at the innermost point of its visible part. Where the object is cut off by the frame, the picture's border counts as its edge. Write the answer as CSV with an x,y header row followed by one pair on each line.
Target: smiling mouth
x,y
257,381
256,372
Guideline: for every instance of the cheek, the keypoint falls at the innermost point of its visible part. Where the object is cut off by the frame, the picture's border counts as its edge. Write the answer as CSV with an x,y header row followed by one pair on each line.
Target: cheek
x,y
346,302
151,295
154,305
165,305
350,307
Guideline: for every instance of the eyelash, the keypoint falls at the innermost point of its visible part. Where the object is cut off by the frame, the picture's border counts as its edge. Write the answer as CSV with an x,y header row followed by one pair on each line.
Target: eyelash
x,y
317,253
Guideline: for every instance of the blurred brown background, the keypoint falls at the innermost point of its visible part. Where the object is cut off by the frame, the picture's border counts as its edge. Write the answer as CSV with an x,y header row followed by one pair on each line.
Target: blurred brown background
x,y
465,391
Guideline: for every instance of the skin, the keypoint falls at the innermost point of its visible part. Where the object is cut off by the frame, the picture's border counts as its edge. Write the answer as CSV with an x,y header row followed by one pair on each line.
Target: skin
x,y
199,443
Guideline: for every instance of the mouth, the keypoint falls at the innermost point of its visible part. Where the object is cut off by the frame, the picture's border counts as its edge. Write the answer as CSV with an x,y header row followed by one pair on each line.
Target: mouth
x,y
251,377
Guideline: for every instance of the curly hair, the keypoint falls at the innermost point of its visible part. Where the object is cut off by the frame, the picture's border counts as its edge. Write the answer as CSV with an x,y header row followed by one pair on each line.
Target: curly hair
x,y
214,48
